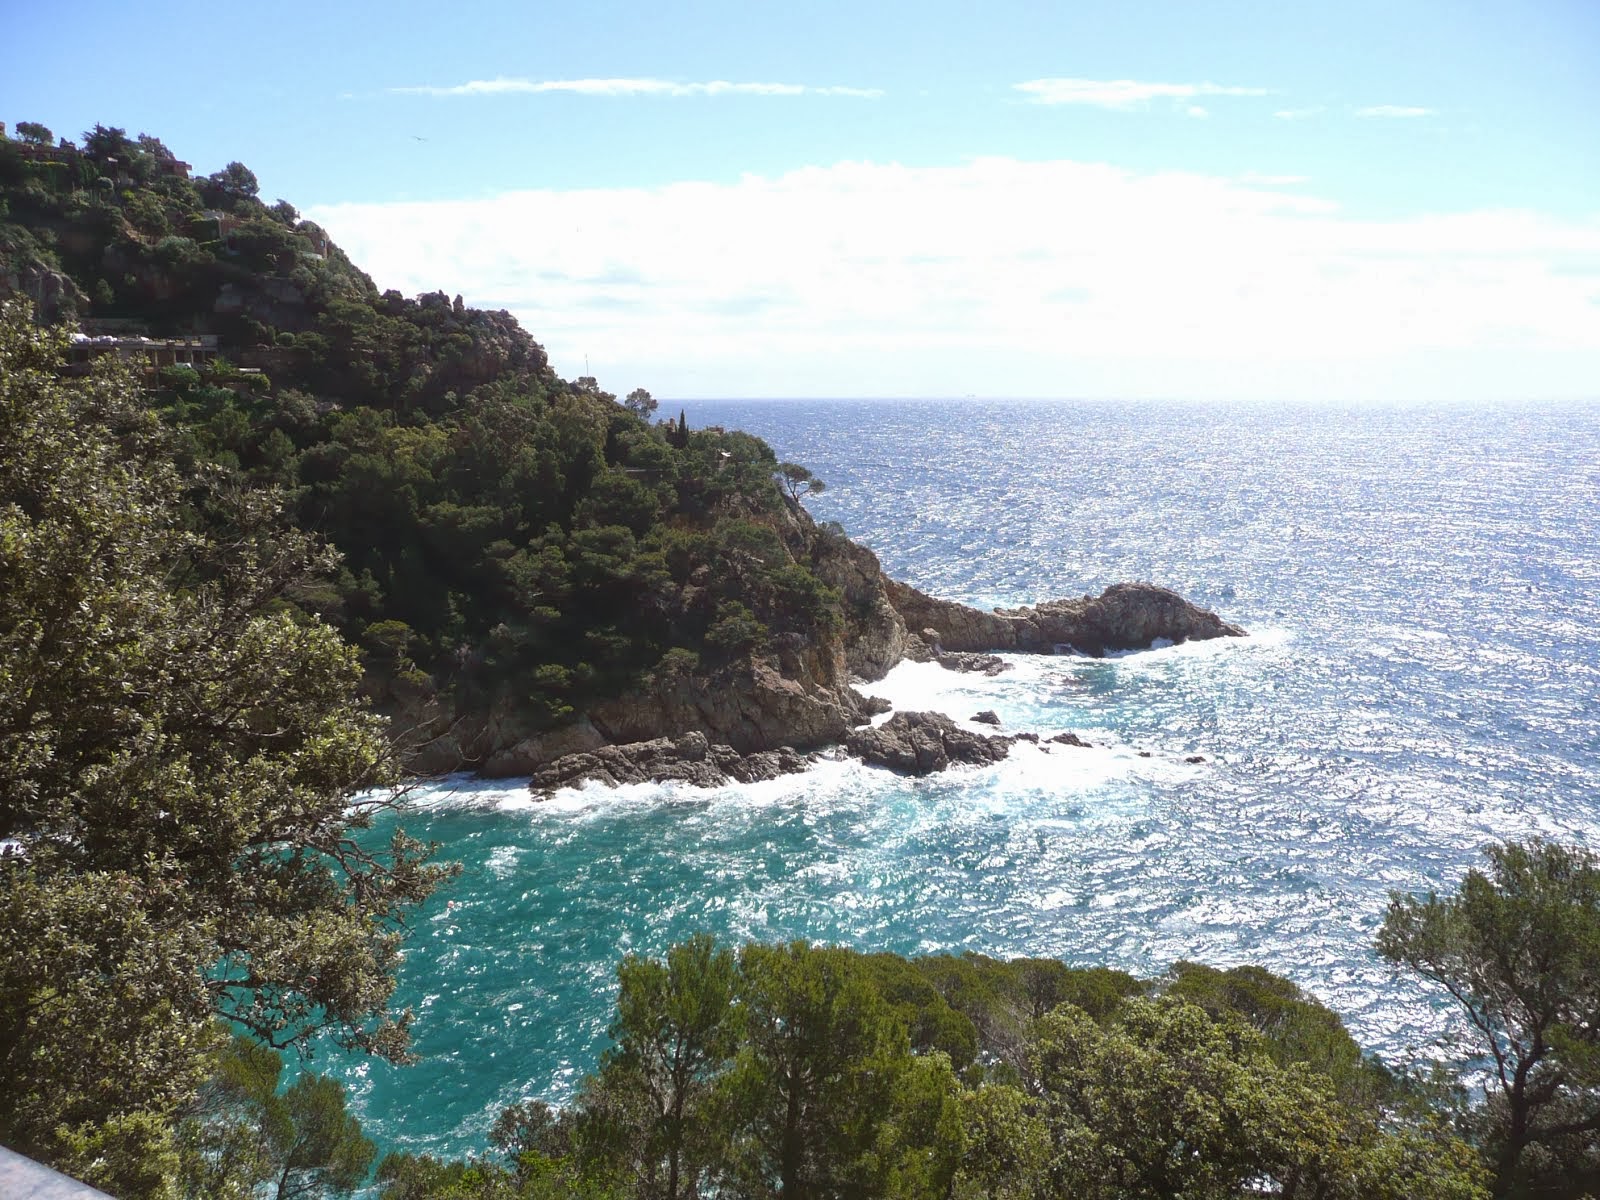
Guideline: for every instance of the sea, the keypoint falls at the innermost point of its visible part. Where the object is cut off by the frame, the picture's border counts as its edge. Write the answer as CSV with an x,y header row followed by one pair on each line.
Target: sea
x,y
1421,588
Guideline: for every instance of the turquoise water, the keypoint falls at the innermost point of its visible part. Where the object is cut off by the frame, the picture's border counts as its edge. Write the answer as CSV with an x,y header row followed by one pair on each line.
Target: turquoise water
x,y
1423,676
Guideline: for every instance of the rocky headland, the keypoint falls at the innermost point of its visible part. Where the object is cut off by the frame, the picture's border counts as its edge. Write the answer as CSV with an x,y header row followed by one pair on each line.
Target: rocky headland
x,y
761,715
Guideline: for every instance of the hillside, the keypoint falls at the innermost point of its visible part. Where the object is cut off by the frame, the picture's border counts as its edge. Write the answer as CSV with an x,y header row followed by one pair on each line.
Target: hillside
x,y
531,568
516,547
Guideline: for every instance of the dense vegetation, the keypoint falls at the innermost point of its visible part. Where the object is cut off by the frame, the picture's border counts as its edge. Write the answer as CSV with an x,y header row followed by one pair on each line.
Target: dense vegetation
x,y
798,1071
185,889
506,537
179,748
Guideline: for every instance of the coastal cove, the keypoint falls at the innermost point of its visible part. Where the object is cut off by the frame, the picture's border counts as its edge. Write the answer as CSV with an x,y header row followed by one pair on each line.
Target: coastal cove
x,y
1420,679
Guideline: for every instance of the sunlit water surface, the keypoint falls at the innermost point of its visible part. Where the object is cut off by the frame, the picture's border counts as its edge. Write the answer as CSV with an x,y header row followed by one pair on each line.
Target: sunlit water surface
x,y
1422,677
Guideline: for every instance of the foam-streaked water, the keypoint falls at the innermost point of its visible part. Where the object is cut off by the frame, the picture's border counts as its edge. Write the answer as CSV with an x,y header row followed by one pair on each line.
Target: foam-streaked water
x,y
1423,676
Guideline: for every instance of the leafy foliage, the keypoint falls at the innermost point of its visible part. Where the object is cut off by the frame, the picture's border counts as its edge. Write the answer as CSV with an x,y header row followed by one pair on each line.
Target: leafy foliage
x,y
1518,949
179,750
798,1075
247,1137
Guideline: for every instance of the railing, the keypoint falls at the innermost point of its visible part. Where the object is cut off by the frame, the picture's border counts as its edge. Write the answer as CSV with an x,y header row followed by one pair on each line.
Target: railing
x,y
23,1179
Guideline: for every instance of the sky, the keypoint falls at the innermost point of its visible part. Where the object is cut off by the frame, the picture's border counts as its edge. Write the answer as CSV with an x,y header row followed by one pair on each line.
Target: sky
x,y
1307,202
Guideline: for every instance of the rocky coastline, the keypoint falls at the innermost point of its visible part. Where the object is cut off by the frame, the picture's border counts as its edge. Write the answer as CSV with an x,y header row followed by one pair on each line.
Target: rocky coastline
x,y
766,715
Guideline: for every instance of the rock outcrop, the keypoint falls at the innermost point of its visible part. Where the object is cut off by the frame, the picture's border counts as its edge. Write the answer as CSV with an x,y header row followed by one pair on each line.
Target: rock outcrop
x,y
1126,616
975,664
752,706
688,759
920,743
875,635
54,294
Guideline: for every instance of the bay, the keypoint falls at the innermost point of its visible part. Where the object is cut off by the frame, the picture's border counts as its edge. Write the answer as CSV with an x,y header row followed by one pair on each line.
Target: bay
x,y
1422,589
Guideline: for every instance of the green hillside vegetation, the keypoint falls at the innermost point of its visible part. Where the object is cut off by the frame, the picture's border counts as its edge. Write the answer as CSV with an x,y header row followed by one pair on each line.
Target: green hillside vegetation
x,y
807,1071
506,536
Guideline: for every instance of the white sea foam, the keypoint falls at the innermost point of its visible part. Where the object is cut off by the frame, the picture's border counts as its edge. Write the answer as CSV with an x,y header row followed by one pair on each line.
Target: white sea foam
x,y
502,861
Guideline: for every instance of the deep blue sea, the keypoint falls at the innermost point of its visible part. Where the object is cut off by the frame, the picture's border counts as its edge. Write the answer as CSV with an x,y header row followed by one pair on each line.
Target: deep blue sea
x,y
1422,590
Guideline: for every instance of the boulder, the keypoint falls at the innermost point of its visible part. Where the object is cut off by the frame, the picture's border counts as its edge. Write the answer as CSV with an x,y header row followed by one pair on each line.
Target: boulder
x,y
527,755
872,706
920,743
977,664
916,650
986,717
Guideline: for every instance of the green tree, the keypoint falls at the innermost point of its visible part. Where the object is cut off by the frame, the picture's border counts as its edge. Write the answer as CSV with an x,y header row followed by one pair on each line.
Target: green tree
x,y
107,141
798,481
673,1034
231,185
1518,949
180,762
1006,1152
641,402
245,1137
1165,1102
318,1147
225,1139
34,133
1296,1027
820,1057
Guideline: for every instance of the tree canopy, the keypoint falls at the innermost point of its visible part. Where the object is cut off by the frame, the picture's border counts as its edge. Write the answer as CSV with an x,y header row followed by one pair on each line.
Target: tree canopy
x,y
35,133
181,753
793,1071
1517,947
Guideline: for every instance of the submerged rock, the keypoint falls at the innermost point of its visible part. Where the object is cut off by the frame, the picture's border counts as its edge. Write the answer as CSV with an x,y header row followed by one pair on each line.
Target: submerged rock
x,y
688,759
1070,739
920,743
976,664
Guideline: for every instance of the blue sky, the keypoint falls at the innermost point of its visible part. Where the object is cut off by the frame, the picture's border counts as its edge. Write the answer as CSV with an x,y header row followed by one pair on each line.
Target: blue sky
x,y
1352,201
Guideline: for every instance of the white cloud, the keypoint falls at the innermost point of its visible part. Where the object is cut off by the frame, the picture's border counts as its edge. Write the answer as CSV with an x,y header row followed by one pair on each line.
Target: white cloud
x,y
1122,93
633,87
1001,277
1195,110
1400,111
1297,114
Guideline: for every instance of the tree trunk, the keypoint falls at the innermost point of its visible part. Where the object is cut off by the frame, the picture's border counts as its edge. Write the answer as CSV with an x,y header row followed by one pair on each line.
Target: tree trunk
x,y
789,1165
1516,1136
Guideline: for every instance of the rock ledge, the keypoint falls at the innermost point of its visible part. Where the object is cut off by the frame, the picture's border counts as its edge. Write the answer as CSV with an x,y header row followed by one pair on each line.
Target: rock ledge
x,y
687,759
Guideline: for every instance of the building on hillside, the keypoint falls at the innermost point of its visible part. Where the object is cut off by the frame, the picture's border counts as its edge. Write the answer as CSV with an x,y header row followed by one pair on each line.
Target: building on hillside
x,y
146,354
